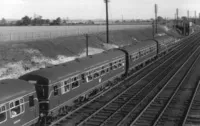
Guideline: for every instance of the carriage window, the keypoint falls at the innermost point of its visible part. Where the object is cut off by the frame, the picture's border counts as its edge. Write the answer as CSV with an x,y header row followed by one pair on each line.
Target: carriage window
x,y
90,78
120,63
115,65
17,109
96,75
111,67
11,105
103,70
75,78
31,101
55,88
3,115
65,86
75,84
107,69
83,78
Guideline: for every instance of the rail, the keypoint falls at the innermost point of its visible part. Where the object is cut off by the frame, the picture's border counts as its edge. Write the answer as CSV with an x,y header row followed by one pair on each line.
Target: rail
x,y
190,106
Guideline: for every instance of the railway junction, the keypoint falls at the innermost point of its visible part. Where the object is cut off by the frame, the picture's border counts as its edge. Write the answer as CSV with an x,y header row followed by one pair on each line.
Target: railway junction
x,y
164,92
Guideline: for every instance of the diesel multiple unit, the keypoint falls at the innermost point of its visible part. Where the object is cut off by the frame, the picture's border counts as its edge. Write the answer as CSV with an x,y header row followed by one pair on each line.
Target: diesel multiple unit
x,y
40,96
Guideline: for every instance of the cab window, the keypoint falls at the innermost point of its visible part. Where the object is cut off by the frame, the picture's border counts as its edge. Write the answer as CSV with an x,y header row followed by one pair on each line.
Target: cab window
x,y
16,107
3,115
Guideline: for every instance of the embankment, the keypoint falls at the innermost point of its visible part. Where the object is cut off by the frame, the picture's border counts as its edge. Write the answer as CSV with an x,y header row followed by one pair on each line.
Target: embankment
x,y
17,58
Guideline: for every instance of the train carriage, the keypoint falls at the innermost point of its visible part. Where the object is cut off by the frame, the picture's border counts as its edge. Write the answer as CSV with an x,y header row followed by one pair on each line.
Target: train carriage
x,y
18,103
60,87
140,52
63,84
165,42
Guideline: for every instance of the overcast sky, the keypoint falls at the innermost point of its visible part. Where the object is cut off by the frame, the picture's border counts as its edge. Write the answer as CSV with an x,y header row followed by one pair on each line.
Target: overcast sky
x,y
95,9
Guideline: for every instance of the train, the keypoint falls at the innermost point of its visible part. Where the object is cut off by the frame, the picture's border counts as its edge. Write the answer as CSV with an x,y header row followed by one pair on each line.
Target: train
x,y
39,97
183,27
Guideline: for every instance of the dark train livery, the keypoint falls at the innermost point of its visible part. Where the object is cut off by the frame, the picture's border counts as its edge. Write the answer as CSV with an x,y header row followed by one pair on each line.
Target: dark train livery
x,y
41,95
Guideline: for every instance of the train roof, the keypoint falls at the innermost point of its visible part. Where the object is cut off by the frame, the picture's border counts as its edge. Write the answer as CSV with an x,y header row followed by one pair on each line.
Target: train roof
x,y
135,47
59,72
14,88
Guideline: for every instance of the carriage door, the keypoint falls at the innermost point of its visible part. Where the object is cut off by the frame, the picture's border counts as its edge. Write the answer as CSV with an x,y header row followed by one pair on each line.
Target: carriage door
x,y
56,98
32,106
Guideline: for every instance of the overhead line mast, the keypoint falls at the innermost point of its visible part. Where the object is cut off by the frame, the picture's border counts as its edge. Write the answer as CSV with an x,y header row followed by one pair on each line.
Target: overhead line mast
x,y
107,21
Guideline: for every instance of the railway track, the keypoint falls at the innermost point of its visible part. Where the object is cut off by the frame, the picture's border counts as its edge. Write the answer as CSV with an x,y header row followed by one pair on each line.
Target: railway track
x,y
116,109
192,116
110,102
168,106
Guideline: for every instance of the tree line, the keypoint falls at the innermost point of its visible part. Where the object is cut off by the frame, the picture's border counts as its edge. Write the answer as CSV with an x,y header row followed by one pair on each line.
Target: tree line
x,y
38,21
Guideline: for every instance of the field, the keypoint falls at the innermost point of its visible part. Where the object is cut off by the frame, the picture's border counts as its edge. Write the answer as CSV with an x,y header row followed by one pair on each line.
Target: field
x,y
15,33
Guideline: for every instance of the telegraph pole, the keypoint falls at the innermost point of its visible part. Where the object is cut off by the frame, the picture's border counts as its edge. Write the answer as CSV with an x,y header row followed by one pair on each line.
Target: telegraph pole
x,y
199,15
175,21
153,32
107,22
188,27
195,18
177,16
87,38
156,11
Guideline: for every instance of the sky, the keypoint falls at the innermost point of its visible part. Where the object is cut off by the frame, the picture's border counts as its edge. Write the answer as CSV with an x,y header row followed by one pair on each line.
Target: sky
x,y
95,9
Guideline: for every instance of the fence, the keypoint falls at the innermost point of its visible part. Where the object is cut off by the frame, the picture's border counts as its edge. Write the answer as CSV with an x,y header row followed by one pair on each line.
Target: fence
x,y
48,32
